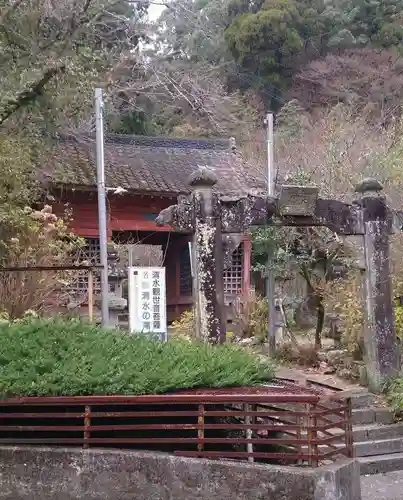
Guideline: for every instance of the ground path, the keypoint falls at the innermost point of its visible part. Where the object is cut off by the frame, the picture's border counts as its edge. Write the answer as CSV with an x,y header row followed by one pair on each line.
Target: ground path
x,y
314,375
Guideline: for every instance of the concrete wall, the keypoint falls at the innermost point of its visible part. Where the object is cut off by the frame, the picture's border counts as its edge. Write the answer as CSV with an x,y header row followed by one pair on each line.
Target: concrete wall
x,y
70,474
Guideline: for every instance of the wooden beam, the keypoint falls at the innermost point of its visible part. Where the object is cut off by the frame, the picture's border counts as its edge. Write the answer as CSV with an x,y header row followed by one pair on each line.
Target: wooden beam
x,y
246,267
48,268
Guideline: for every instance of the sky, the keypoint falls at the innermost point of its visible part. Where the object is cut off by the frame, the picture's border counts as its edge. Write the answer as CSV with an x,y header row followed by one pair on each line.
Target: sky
x,y
154,11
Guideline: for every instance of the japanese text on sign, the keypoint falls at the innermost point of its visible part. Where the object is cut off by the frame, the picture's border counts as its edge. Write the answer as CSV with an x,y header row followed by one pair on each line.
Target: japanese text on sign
x,y
147,301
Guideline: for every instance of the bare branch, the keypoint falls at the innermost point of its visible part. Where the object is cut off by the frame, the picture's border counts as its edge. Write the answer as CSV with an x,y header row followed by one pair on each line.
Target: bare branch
x,y
29,94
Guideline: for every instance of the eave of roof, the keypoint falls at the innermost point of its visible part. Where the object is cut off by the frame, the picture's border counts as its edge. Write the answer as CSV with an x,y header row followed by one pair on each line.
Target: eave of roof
x,y
148,165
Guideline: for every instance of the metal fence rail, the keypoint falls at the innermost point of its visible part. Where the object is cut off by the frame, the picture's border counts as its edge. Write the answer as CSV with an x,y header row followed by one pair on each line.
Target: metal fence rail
x,y
283,423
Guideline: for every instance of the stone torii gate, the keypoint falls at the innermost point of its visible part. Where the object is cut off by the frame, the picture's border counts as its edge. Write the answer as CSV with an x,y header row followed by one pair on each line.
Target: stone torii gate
x,y
214,220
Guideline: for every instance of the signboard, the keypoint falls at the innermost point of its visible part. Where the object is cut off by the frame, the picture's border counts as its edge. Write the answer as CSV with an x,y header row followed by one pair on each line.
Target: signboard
x,y
147,301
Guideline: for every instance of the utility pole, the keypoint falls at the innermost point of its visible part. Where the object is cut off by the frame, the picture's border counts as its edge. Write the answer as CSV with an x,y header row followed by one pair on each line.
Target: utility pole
x,y
270,153
102,205
270,283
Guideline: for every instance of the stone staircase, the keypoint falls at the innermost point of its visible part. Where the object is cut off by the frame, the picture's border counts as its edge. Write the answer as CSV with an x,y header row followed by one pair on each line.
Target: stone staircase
x,y
378,441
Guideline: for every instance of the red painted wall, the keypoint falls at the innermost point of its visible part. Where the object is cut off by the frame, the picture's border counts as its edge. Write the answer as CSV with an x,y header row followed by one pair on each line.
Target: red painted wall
x,y
137,213
125,212
84,216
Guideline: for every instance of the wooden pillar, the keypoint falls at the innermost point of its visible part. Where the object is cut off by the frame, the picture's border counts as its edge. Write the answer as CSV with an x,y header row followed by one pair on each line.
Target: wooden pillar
x,y
381,346
208,259
170,251
246,265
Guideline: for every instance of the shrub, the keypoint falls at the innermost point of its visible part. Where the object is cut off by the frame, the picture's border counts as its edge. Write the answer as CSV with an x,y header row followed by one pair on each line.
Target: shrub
x,y
394,391
55,357
252,317
399,321
346,298
45,241
184,328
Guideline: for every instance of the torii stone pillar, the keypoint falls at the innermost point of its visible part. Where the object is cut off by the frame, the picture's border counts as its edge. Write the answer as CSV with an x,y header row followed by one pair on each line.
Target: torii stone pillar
x,y
207,257
200,215
381,346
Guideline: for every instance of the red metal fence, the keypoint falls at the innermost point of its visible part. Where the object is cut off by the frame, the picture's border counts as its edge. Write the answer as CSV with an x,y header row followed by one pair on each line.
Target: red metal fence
x,y
283,423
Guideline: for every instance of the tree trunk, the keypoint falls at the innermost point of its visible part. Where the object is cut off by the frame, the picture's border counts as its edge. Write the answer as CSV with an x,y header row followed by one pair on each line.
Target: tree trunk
x,y
319,323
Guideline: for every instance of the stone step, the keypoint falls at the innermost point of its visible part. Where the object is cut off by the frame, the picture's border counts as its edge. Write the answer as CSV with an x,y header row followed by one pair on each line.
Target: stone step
x,y
373,448
380,464
361,399
378,447
362,416
376,432
373,432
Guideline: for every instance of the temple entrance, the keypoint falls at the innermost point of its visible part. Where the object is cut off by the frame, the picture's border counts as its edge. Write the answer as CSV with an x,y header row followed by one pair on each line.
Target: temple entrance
x,y
172,251
158,249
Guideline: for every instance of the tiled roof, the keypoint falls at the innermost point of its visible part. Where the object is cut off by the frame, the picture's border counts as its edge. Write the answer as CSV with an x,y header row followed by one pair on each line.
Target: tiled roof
x,y
149,164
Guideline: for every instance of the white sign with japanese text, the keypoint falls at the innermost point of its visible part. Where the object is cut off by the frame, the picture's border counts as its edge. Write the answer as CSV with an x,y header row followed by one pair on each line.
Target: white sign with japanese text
x,y
147,301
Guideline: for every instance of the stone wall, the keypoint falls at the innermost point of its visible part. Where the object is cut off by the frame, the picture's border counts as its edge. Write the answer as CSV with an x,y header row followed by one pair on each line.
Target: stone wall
x,y
70,474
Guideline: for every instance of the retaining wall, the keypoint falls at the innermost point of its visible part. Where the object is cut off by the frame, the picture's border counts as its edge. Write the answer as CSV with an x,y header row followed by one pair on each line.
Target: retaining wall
x,y
72,474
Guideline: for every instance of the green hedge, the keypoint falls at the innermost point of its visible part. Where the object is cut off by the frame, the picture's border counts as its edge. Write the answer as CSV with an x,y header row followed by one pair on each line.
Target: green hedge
x,y
55,357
